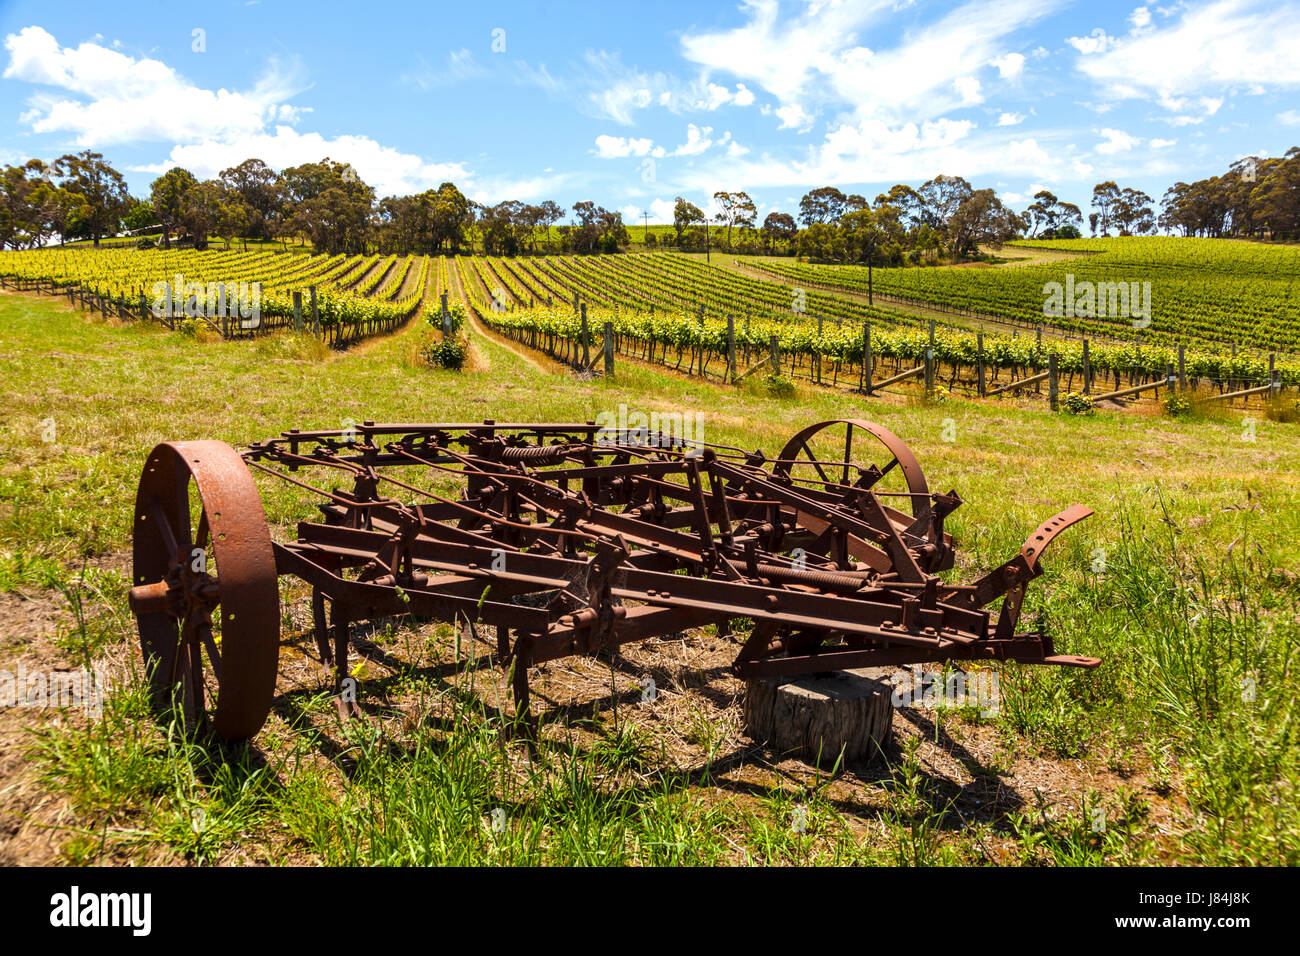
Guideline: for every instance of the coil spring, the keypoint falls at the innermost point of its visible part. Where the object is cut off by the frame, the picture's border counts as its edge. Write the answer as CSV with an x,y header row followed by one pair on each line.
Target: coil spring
x,y
826,580
535,455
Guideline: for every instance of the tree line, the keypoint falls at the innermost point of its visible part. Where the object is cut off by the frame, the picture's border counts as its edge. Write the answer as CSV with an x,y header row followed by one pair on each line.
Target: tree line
x,y
81,196
1255,198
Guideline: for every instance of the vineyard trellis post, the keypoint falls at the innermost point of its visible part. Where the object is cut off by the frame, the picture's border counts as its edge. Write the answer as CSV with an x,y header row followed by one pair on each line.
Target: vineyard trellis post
x,y
609,349
1038,353
774,348
817,352
297,310
1087,369
221,305
731,348
586,351
315,311
446,316
1052,380
144,307
866,358
1182,369
929,371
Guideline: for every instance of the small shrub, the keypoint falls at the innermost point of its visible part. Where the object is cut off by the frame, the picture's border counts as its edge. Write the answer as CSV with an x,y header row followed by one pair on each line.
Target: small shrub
x,y
446,353
778,386
940,394
1176,404
145,243
1076,403
190,328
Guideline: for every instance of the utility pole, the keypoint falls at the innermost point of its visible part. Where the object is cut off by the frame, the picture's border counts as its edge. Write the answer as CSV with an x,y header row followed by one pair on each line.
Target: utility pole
x,y
646,216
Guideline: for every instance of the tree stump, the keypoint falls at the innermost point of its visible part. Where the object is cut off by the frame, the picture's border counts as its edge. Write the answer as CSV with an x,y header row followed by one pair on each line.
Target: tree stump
x,y
816,715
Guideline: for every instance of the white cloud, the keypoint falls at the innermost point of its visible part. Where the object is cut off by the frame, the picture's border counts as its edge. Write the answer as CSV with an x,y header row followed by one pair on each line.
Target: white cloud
x,y
493,190
816,56
1097,42
715,96
969,88
793,117
1011,119
1026,153
1140,18
661,210
1117,141
1211,48
1163,143
108,97
391,172
872,151
618,91
291,114
1289,118
615,147
697,140
1009,67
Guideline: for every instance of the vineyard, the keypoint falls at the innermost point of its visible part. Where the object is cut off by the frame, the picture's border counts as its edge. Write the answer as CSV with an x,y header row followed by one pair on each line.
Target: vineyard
x,y
353,296
665,301
680,310
839,355
1202,291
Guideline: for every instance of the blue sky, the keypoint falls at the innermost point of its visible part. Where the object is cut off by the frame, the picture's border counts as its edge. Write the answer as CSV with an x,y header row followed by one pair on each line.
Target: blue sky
x,y
630,105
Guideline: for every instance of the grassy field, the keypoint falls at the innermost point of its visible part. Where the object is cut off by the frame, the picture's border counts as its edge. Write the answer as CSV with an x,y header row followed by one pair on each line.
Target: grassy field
x,y
1180,748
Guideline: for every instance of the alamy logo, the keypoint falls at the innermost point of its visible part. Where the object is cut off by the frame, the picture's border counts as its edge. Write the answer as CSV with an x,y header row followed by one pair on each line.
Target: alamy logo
x,y
81,688
215,300
657,429
1088,300
74,908
918,688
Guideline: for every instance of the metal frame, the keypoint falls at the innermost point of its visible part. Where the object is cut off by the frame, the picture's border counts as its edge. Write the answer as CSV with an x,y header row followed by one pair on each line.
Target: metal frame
x,y
569,538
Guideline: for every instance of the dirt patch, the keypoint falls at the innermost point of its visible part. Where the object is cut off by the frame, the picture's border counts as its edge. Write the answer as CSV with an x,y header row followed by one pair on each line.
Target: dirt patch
x,y
33,624
28,628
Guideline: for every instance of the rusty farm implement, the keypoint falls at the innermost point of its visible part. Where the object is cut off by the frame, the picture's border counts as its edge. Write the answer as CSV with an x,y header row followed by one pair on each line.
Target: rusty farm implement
x,y
560,539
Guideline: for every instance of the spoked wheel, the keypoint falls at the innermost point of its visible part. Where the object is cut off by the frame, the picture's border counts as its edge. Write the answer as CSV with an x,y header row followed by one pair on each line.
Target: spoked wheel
x,y
848,452
205,594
